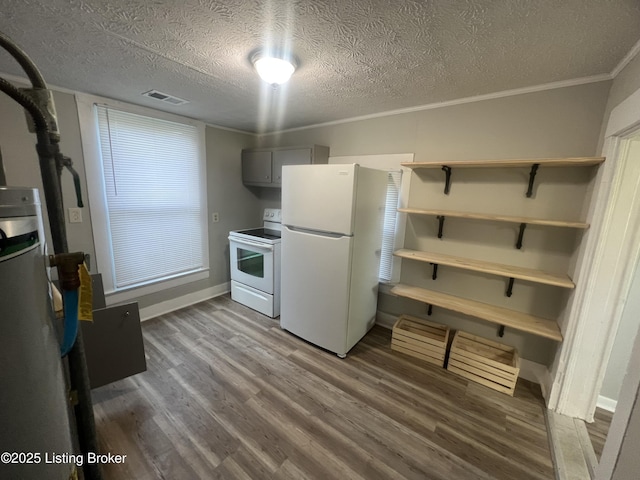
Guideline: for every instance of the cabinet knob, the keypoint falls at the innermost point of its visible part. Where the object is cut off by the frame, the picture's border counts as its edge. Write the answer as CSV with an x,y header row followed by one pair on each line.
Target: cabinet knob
x,y
266,176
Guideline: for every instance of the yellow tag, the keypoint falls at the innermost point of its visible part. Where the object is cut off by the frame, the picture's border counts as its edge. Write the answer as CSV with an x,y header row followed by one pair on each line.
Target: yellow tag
x,y
85,300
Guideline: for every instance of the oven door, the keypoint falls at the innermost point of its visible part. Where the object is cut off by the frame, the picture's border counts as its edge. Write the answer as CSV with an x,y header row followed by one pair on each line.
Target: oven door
x,y
252,263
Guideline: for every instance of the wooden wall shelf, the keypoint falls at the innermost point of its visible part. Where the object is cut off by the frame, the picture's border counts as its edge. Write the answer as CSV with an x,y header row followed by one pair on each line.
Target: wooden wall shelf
x,y
499,315
509,271
533,163
526,162
495,218
502,316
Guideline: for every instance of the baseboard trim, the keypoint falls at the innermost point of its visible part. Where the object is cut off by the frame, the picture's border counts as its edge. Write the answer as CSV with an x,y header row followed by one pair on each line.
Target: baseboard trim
x,y
533,371
167,306
607,404
385,320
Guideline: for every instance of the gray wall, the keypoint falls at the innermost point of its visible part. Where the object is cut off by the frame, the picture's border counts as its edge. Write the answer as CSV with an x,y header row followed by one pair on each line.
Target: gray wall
x,y
238,207
558,122
23,170
553,123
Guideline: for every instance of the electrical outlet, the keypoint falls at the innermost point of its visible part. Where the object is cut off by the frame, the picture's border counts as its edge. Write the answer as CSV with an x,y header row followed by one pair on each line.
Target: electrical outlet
x,y
75,215
215,217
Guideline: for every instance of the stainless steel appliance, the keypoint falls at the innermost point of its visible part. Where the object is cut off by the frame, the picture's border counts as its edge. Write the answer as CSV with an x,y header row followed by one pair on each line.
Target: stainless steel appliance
x,y
255,265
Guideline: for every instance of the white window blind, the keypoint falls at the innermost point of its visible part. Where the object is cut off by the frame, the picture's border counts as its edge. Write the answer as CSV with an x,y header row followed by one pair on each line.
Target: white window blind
x,y
155,198
394,179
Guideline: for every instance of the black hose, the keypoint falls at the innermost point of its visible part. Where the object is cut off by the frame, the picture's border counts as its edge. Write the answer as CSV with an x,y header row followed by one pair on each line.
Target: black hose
x,y
85,420
52,191
37,81
3,176
78,372
29,105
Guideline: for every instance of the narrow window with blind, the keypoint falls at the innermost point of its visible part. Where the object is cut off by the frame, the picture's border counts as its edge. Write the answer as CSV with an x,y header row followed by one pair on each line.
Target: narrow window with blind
x,y
155,197
394,179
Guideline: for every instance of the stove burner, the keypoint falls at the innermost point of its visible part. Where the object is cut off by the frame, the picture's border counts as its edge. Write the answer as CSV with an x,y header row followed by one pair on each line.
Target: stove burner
x,y
261,233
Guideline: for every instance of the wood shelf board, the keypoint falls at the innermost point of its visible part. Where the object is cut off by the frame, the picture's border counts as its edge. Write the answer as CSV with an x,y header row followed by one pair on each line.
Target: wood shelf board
x,y
502,316
509,271
525,162
497,218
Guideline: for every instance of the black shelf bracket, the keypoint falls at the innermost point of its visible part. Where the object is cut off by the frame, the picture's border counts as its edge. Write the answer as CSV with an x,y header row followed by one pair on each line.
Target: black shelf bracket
x,y
430,310
520,235
447,179
440,225
501,331
434,275
510,287
532,177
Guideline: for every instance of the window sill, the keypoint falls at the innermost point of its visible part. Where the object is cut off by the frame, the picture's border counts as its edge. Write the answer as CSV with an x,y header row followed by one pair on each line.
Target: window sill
x,y
133,293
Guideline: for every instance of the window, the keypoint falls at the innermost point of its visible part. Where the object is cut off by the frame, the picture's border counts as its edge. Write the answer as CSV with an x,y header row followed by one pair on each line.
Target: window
x,y
153,207
394,179
397,194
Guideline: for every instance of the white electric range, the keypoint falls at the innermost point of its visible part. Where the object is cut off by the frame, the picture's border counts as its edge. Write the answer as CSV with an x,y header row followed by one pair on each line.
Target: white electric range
x,y
255,265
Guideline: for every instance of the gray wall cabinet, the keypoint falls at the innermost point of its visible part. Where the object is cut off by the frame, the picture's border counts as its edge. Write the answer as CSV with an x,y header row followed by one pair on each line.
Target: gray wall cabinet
x,y
262,167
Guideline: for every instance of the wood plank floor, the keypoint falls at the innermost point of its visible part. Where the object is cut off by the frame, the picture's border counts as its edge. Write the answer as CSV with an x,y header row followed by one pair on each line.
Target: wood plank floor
x,y
229,395
599,429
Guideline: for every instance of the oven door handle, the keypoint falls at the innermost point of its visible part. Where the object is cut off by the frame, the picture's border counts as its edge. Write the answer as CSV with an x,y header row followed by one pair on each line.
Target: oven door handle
x,y
242,241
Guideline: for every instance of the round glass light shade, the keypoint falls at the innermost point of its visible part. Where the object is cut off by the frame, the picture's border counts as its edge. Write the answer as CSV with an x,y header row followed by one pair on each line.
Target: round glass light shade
x,y
274,70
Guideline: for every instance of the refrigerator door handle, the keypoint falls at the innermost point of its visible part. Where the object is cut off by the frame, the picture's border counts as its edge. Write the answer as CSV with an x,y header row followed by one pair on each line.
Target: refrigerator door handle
x,y
315,232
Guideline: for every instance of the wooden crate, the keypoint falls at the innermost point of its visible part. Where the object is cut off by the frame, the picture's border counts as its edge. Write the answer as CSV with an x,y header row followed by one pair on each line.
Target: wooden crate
x,y
420,338
489,363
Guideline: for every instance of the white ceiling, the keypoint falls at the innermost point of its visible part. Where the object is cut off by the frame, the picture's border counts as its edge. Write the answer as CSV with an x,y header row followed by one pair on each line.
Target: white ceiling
x,y
357,57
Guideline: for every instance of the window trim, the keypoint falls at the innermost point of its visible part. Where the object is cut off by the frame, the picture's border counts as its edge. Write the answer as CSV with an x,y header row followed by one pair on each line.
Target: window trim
x,y
97,197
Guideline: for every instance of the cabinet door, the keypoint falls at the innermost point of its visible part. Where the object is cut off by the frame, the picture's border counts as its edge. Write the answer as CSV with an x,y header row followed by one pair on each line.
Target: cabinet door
x,y
299,156
256,167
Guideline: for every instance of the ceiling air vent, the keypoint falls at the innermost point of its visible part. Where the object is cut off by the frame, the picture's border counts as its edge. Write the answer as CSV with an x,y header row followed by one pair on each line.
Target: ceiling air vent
x,y
163,97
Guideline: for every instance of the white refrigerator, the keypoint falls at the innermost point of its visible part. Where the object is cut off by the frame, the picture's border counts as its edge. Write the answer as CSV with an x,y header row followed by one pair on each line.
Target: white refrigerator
x,y
332,217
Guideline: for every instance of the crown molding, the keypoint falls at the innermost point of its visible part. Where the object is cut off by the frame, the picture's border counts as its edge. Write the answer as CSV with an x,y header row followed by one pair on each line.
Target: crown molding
x,y
627,58
460,101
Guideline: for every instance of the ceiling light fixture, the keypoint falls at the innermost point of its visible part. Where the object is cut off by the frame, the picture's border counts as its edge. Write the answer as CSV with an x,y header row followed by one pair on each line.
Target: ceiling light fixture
x,y
273,70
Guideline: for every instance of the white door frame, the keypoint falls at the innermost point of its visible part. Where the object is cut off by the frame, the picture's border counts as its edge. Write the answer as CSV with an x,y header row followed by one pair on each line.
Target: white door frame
x,y
603,276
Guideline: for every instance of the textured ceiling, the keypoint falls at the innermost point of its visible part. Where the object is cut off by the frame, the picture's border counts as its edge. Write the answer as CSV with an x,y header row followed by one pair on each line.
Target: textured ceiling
x,y
357,57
